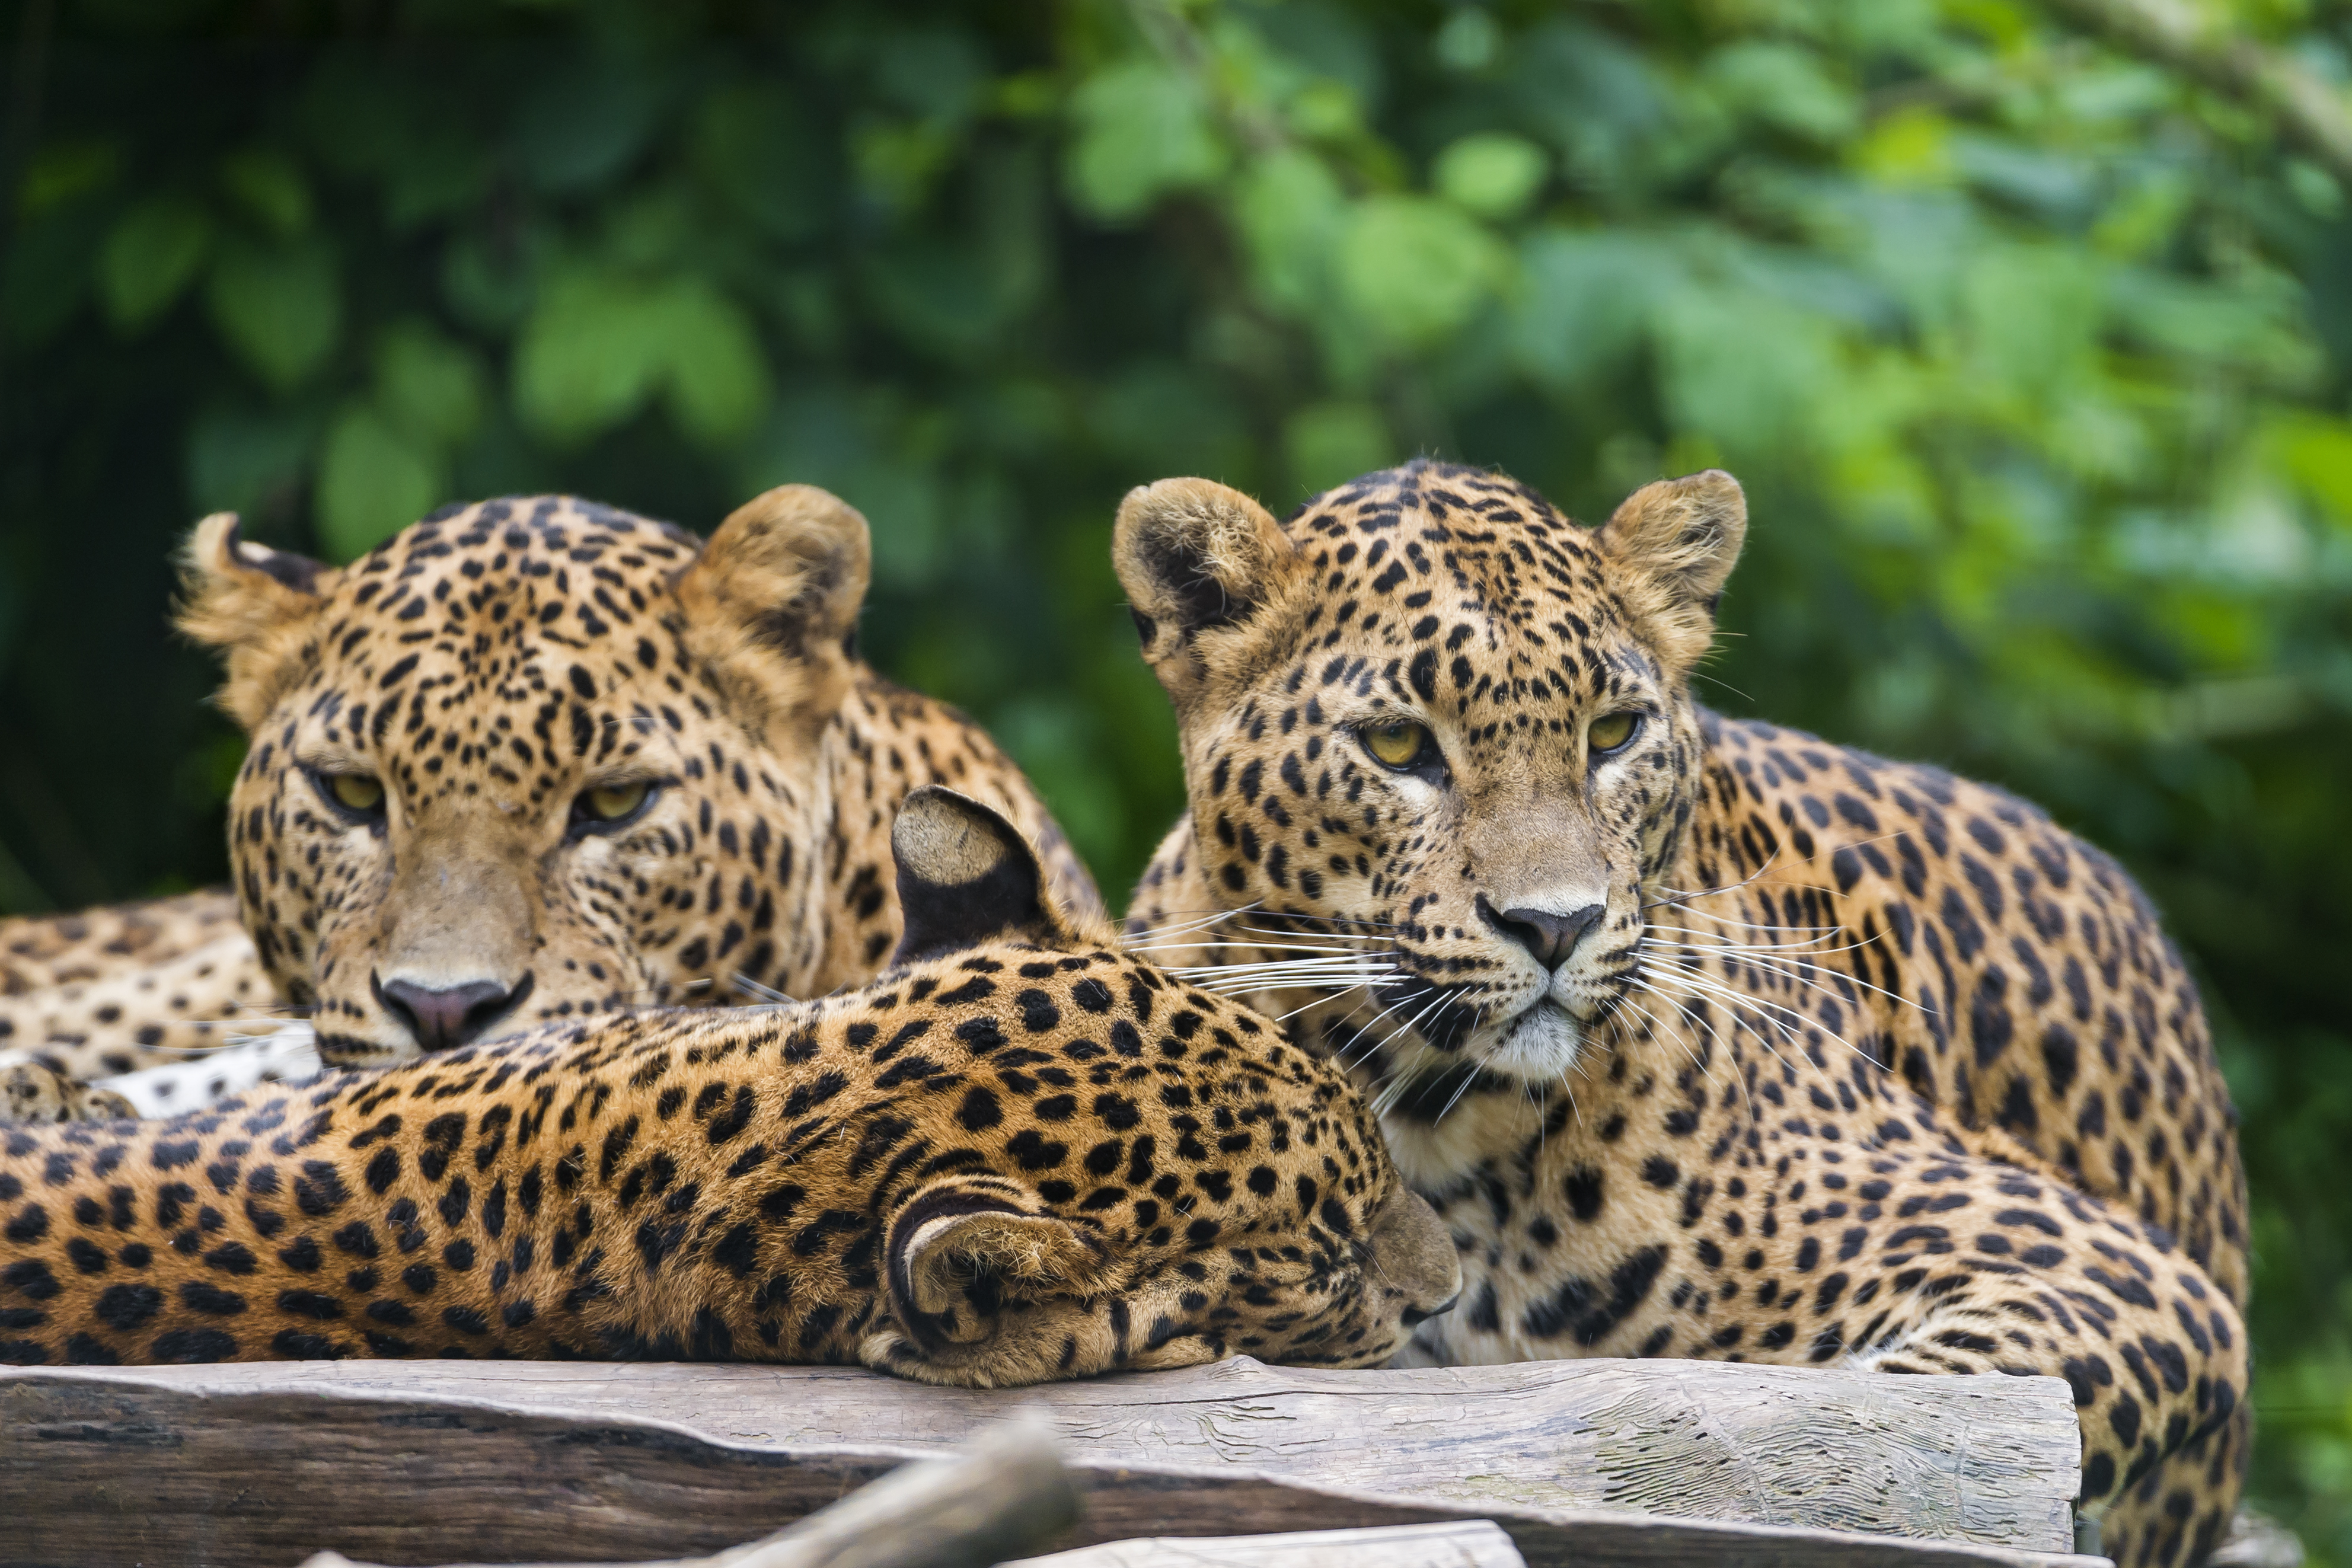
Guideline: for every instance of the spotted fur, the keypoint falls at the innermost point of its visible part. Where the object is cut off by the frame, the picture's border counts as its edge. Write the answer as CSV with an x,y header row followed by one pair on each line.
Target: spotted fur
x,y
1726,1041
1020,1154
490,668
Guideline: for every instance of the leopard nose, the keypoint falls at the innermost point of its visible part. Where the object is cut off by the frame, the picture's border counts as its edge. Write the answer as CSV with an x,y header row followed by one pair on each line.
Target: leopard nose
x,y
1551,937
444,1019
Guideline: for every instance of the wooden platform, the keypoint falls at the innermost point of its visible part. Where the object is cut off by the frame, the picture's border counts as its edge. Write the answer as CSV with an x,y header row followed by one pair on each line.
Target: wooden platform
x,y
1587,1462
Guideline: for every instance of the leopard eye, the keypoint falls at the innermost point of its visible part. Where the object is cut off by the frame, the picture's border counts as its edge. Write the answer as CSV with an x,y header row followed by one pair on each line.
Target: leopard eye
x,y
358,794
1400,745
1611,732
612,802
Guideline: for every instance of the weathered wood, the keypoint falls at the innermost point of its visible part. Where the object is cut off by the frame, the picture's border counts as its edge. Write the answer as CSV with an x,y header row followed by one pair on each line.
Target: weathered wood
x,y
1002,1494
263,1463
1988,1459
1477,1543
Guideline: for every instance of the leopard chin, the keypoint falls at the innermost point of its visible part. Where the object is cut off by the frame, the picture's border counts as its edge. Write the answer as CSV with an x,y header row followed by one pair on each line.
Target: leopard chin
x,y
1539,1046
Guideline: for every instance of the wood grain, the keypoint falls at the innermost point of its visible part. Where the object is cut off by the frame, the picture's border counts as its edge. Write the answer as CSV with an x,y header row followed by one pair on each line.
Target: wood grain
x,y
999,1495
264,1463
1478,1543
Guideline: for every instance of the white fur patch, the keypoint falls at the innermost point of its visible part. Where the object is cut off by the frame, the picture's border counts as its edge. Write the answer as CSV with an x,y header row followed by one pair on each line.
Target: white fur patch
x,y
288,1055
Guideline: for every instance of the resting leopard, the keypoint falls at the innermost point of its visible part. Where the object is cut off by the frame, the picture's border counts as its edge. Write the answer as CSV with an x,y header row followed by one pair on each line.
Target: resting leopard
x,y
529,759
1707,1038
1019,1154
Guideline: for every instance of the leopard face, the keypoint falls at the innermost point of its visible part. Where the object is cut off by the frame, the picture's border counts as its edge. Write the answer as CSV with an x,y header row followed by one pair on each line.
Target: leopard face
x,y
1429,713
1018,1154
534,758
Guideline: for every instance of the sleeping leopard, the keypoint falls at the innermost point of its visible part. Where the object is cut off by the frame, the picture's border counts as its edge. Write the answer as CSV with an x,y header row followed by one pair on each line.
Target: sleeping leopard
x,y
533,758
1020,1154
1706,1037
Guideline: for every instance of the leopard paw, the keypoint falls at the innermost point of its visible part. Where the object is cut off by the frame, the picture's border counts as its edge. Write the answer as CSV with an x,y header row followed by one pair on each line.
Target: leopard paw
x,y
32,1092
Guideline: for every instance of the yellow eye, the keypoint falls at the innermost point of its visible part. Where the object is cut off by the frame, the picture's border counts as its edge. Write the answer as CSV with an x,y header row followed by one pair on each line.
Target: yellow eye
x,y
1399,744
1610,731
356,791
611,802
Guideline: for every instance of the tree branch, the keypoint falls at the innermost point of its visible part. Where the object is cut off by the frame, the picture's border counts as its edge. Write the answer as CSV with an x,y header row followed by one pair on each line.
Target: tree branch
x,y
2308,109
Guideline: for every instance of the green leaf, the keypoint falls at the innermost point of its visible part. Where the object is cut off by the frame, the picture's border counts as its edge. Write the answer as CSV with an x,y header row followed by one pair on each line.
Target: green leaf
x,y
590,355
1415,269
1786,87
247,462
1327,443
279,308
582,121
265,182
1142,132
374,481
601,345
426,385
718,379
149,257
1290,211
1492,175
1744,372
1583,304
753,143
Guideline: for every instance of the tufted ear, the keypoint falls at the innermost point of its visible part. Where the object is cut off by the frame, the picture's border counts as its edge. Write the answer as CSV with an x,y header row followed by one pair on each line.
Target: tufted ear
x,y
251,602
772,601
1194,555
1679,538
966,876
963,1244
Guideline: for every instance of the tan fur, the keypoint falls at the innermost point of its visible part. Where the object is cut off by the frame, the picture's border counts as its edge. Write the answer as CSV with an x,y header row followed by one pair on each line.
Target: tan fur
x,y
1678,540
257,622
1858,1059
770,602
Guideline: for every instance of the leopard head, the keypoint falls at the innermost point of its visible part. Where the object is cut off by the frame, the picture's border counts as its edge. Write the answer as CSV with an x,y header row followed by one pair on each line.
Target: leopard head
x,y
1429,717
530,758
1121,1171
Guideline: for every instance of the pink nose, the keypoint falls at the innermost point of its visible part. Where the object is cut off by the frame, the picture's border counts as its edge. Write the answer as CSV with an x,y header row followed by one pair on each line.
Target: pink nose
x,y
443,1020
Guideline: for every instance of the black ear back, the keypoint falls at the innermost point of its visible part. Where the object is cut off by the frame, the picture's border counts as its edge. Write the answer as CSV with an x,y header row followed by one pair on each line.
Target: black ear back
x,y
966,876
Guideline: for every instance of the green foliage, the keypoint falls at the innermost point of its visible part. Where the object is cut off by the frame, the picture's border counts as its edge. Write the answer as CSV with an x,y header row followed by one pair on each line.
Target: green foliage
x,y
2033,354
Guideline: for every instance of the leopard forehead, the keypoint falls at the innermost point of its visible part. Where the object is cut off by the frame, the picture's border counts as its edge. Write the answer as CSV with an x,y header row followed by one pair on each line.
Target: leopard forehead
x,y
1462,593
492,640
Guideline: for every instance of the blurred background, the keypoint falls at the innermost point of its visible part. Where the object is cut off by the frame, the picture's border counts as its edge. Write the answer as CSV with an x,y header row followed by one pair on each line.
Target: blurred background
x,y
2028,326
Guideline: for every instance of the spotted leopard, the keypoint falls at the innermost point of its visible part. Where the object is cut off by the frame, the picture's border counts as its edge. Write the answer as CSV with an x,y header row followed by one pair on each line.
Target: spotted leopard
x,y
1019,1154
529,759
1708,1037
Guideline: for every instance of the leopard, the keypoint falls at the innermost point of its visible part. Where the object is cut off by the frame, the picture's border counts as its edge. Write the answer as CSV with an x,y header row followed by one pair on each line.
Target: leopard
x,y
1019,1154
1709,1038
530,758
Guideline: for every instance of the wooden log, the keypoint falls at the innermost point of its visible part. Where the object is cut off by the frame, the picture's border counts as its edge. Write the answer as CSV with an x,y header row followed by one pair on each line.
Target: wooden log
x,y
1001,1495
1478,1543
262,1463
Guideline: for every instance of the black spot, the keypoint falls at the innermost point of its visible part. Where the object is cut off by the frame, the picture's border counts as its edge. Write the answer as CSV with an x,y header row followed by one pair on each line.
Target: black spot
x,y
191,1347
126,1307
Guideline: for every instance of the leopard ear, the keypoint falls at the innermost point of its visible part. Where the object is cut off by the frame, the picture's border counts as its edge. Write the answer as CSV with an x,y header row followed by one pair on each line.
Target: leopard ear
x,y
1196,557
966,876
773,600
963,1246
1679,538
253,603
